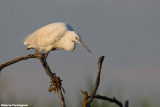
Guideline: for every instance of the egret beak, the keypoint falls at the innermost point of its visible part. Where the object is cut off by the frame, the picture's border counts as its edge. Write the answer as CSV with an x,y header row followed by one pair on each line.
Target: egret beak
x,y
80,42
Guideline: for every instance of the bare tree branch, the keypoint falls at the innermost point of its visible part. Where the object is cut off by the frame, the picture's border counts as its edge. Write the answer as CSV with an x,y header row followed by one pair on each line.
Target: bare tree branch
x,y
56,82
85,98
100,61
112,100
89,98
60,94
18,59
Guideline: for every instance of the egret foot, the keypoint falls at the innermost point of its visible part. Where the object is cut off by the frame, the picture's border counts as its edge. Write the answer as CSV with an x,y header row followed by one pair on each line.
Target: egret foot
x,y
54,87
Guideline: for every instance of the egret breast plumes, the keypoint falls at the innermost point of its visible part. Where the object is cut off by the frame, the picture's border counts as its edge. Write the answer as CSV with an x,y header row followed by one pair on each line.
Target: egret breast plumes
x,y
52,37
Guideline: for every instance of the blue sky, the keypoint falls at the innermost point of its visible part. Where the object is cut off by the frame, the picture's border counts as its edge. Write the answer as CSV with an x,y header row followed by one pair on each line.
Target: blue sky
x,y
125,31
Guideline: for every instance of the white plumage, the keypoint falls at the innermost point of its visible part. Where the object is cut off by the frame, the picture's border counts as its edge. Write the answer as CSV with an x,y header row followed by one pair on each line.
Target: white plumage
x,y
52,37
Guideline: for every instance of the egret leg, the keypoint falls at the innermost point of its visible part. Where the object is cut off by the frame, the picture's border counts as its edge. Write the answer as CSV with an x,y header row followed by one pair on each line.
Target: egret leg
x,y
45,56
37,52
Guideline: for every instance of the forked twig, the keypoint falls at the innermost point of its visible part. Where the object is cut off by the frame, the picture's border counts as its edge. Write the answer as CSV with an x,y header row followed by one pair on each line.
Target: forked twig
x,y
100,61
56,80
89,98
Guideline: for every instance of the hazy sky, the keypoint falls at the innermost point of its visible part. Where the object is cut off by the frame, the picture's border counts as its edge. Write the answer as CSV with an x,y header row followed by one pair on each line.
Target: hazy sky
x,y
127,32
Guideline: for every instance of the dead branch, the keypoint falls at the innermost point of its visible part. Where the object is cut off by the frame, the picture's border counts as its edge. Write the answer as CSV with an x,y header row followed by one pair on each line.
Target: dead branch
x,y
89,98
100,61
112,100
18,59
56,81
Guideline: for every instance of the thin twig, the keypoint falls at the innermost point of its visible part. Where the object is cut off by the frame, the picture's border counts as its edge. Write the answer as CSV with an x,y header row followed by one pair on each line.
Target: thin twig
x,y
112,100
60,94
18,59
100,61
85,98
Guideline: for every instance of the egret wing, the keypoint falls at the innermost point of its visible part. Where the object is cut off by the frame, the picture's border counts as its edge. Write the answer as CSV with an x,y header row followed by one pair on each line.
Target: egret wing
x,y
47,35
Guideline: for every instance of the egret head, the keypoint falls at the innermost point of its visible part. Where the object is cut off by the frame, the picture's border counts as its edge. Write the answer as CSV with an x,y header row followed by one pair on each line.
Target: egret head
x,y
76,38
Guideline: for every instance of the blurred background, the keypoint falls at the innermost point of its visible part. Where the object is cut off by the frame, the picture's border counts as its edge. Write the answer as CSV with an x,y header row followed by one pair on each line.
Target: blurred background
x,y
127,32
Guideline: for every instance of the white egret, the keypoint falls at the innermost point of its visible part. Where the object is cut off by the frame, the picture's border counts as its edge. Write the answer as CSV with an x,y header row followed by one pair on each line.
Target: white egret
x,y
54,36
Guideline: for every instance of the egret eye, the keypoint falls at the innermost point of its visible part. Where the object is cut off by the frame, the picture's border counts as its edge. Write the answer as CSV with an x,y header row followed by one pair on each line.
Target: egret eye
x,y
80,42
